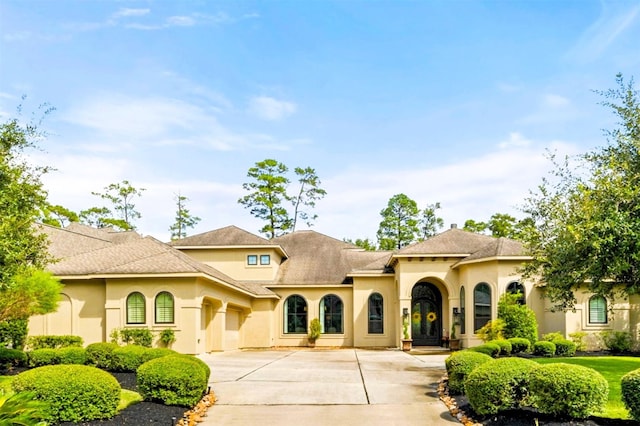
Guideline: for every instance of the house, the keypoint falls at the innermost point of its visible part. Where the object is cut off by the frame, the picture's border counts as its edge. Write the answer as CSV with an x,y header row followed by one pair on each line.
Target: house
x,y
228,289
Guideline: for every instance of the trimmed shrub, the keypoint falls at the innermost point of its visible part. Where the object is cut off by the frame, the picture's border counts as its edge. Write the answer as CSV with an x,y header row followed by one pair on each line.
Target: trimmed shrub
x,y
520,320
44,356
101,354
72,355
153,353
617,341
552,337
544,348
499,385
460,364
578,339
490,348
127,358
53,342
137,336
505,346
630,384
568,390
565,347
520,345
173,380
492,330
13,333
73,393
10,358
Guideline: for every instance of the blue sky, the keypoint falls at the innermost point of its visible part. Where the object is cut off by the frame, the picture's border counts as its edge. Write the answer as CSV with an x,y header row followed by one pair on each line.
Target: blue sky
x,y
446,101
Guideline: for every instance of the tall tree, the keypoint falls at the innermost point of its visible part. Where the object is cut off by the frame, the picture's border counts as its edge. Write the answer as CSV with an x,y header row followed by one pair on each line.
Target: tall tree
x,y
430,223
25,289
268,196
184,219
57,215
502,225
121,196
399,225
366,244
471,225
308,194
588,225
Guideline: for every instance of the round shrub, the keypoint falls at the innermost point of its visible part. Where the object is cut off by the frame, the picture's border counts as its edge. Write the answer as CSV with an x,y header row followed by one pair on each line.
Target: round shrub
x,y
154,353
73,393
45,356
100,354
568,390
12,358
630,384
505,346
72,355
519,345
173,380
499,385
565,347
127,358
544,348
490,348
460,364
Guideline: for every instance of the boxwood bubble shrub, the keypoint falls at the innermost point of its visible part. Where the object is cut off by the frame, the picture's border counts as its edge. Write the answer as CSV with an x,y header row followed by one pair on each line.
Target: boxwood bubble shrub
x,y
72,355
499,385
100,354
544,348
520,345
630,384
153,353
490,348
44,356
570,390
127,358
460,364
10,358
505,346
73,393
565,347
173,380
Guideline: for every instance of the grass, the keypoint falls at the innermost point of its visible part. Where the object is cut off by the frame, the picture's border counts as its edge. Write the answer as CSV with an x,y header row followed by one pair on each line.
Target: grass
x,y
612,368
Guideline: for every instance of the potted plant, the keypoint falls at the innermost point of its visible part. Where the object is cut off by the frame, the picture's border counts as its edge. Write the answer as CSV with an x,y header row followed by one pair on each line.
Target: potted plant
x,y
454,342
406,340
314,332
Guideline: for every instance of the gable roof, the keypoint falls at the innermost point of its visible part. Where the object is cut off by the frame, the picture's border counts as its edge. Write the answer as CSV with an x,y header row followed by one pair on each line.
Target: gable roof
x,y
452,242
498,248
227,236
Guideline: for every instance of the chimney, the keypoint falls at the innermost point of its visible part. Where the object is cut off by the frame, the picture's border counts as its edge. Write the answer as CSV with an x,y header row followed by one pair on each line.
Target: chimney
x,y
454,226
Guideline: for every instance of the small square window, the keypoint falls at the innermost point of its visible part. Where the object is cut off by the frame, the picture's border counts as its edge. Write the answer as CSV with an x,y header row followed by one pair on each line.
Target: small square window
x,y
265,259
252,259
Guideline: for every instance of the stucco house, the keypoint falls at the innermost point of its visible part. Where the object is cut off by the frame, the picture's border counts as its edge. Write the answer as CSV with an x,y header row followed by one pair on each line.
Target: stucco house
x,y
228,289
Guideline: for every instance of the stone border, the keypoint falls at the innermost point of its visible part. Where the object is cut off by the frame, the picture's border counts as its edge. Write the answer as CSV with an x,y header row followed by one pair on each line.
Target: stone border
x,y
456,412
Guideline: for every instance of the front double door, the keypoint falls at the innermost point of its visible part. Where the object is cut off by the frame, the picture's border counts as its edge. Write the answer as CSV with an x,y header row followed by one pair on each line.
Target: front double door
x,y
426,315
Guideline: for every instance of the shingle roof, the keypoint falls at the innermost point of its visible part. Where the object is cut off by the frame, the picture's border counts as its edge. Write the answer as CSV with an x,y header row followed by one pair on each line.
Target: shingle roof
x,y
227,236
452,241
64,242
499,247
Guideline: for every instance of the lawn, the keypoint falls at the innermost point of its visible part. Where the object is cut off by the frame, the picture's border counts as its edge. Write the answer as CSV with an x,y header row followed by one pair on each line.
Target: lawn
x,y
612,368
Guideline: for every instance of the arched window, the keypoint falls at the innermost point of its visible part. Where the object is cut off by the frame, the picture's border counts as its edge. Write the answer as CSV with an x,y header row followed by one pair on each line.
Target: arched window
x,y
463,306
331,314
597,310
481,305
376,314
517,288
295,315
164,308
135,308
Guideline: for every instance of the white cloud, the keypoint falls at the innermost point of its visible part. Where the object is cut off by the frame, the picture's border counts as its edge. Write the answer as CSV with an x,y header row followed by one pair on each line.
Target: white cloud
x,y
180,21
515,140
126,12
555,101
268,108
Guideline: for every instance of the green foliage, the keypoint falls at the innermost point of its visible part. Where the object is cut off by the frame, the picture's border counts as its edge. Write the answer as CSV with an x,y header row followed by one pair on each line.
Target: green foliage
x,y
505,346
429,222
72,355
120,196
57,215
72,393
630,385
552,337
10,358
490,348
565,347
459,365
54,342
100,354
366,244
587,233
173,380
44,356
492,330
153,353
30,291
544,348
127,358
520,345
568,390
399,225
314,329
617,341
167,337
13,333
578,339
308,194
183,220
499,385
519,320
20,409
137,336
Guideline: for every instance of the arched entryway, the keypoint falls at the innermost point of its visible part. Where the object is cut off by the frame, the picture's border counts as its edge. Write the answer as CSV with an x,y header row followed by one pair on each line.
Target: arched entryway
x,y
426,315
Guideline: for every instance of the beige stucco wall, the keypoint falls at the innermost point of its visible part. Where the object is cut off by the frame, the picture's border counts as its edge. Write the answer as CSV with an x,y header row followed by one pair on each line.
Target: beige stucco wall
x,y
363,288
233,262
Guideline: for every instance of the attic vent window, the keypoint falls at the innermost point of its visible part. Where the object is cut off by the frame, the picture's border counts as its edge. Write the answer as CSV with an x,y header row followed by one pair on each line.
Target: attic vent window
x,y
265,259
252,259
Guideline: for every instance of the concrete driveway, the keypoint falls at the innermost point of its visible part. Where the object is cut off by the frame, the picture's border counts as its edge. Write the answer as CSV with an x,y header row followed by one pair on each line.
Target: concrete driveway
x,y
326,387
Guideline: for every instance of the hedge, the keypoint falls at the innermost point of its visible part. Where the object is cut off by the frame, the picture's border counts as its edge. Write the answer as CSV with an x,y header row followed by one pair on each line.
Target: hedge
x,y
153,353
10,358
565,347
72,355
53,342
173,380
630,384
505,346
519,345
127,358
44,356
100,354
563,389
544,348
499,385
489,348
73,393
460,364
